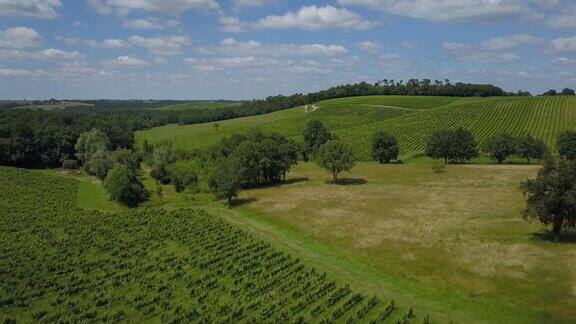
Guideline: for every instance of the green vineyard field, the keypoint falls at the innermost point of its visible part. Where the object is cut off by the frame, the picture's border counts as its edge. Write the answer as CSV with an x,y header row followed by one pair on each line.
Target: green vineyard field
x,y
411,119
63,264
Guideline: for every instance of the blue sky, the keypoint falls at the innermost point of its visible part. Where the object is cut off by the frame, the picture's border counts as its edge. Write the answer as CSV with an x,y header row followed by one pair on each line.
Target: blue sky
x,y
243,49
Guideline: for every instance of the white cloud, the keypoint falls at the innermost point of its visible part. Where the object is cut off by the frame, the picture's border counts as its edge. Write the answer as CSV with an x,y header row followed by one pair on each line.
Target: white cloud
x,y
30,8
251,3
231,46
67,40
564,61
369,46
315,18
126,61
142,24
447,10
162,46
476,54
14,73
510,42
163,6
254,66
231,24
19,38
566,19
54,54
108,43
563,44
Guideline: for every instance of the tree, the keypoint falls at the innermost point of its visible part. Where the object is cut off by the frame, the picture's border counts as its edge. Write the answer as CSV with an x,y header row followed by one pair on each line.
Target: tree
x,y
162,157
126,157
125,187
385,147
529,148
216,126
70,164
182,177
550,92
567,92
456,145
89,143
99,165
551,197
500,146
289,153
315,135
335,157
225,180
566,144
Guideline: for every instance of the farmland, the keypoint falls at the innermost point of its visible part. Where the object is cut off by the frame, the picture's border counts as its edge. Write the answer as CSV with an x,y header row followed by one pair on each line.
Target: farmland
x,y
199,105
61,263
411,119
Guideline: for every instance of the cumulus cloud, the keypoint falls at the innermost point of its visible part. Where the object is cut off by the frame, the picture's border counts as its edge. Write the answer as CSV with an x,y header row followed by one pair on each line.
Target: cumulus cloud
x,y
231,46
565,19
150,23
30,8
369,46
510,42
161,46
163,6
315,18
54,54
563,44
251,3
231,24
477,54
126,61
255,66
108,43
19,38
447,10
14,73
564,61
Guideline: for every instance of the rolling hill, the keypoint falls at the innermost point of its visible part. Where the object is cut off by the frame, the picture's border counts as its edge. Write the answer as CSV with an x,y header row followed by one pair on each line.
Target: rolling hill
x,y
412,119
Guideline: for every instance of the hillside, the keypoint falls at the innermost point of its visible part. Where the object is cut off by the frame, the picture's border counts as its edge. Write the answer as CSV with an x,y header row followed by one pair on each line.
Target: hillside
x,y
199,105
412,119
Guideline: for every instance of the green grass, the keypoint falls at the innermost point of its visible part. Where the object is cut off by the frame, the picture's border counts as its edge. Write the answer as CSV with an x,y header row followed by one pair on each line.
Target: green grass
x,y
412,119
198,105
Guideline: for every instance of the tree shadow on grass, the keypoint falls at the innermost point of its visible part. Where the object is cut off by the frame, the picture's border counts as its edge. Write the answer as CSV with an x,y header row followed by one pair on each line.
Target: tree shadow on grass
x,y
243,201
294,180
348,182
567,237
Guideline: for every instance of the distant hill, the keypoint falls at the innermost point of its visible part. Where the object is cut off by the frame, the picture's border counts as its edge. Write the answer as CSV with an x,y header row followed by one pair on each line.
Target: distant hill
x,y
411,118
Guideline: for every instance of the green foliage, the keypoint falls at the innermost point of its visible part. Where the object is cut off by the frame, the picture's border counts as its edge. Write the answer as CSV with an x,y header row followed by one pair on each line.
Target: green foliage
x,y
385,147
315,135
128,158
225,180
99,164
551,197
182,177
530,148
500,146
70,164
148,264
566,144
90,143
125,187
336,158
454,146
162,157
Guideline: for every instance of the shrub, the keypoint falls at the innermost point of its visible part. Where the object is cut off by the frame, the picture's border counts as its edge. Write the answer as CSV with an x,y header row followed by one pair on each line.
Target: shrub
x,y
183,177
70,164
125,187
385,147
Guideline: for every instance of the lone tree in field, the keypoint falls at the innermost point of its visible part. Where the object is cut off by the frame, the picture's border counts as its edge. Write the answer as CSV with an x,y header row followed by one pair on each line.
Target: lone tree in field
x,y
566,145
529,148
335,157
385,147
456,145
125,187
500,147
551,197
225,180
315,135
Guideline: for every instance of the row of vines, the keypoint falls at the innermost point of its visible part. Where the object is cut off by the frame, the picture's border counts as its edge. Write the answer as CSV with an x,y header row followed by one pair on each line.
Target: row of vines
x,y
62,264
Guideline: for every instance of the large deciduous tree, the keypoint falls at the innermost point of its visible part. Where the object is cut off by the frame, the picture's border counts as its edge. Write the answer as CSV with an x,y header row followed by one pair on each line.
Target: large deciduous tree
x,y
315,135
125,187
225,180
335,157
500,146
457,145
90,143
530,148
385,147
566,144
551,196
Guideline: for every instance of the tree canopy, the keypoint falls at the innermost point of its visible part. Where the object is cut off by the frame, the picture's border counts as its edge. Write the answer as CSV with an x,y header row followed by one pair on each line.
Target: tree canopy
x,y
500,146
566,144
125,187
385,147
335,157
454,146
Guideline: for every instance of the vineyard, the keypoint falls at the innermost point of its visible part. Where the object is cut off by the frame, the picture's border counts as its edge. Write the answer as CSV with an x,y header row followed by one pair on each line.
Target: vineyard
x,y
63,264
411,119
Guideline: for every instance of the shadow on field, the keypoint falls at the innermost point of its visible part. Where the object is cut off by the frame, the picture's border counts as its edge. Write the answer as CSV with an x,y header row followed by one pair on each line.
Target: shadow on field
x,y
243,201
349,181
568,237
294,180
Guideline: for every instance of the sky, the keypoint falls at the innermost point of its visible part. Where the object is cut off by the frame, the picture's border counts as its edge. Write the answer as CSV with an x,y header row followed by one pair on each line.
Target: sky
x,y
244,49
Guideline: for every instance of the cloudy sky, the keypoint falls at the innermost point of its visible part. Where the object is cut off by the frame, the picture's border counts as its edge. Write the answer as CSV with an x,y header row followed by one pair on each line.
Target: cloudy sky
x,y
242,49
